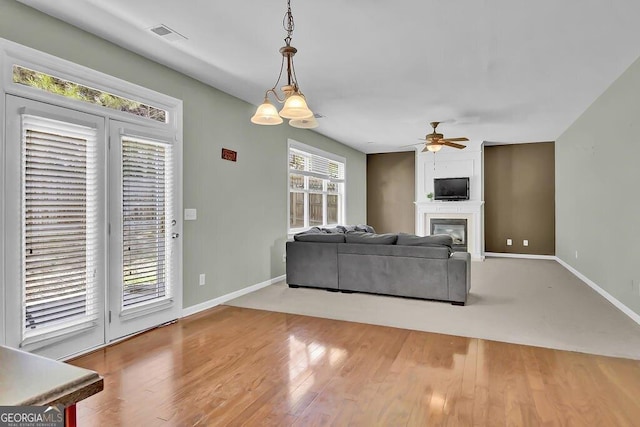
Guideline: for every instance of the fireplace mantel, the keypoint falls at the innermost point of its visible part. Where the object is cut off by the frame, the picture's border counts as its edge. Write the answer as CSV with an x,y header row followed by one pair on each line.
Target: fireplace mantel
x,y
470,210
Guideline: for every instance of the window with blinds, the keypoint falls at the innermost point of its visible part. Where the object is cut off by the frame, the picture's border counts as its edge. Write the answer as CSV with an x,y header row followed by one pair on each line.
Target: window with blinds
x,y
316,189
59,226
146,206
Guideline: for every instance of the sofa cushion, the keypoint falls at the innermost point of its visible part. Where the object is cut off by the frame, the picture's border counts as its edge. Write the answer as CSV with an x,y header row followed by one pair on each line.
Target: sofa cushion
x,y
405,239
370,238
319,237
364,227
312,230
334,230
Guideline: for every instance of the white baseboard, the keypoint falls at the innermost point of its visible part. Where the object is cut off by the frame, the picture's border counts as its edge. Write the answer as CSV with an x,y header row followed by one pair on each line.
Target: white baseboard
x,y
228,297
528,256
620,306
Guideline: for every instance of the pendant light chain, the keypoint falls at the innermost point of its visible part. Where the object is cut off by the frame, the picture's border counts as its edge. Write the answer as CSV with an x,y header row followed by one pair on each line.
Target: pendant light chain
x,y
288,24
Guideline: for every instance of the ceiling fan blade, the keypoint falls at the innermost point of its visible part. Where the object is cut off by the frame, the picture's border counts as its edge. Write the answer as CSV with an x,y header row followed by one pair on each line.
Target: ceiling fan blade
x,y
454,145
456,139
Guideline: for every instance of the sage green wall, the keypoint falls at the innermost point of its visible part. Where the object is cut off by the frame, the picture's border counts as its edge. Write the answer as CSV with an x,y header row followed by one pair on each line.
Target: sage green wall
x,y
238,239
598,191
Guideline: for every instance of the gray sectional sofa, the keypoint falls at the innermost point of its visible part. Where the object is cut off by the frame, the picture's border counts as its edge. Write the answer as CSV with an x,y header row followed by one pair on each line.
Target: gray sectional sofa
x,y
355,259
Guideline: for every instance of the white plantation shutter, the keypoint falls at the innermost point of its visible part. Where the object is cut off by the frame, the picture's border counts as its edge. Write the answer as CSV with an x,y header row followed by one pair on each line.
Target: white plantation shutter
x,y
147,194
309,164
330,169
59,227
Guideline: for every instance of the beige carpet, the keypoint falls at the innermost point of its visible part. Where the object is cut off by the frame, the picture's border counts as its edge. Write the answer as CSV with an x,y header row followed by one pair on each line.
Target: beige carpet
x,y
523,301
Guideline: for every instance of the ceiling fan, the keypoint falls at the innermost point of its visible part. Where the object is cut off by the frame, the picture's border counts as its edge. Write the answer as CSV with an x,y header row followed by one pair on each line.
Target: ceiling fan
x,y
434,141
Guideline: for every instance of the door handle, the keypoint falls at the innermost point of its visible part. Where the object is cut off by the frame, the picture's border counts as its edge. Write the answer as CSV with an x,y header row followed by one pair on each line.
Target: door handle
x,y
175,235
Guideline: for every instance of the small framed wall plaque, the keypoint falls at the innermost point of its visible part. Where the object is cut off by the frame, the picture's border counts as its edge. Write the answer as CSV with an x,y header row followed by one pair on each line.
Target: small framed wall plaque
x,y
229,155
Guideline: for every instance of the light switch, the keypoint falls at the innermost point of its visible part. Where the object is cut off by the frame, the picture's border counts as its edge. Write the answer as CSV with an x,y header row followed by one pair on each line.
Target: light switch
x,y
190,214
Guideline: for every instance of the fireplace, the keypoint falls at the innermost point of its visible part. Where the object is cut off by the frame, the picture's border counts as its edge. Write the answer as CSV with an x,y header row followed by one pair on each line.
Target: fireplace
x,y
470,210
456,228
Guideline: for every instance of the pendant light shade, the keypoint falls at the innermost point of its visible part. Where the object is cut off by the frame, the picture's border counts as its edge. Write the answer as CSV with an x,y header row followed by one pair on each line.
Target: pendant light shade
x,y
266,114
295,107
434,148
309,123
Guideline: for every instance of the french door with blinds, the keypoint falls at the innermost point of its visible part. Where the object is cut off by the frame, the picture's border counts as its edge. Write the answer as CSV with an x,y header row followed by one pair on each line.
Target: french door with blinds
x,y
144,232
92,228
55,216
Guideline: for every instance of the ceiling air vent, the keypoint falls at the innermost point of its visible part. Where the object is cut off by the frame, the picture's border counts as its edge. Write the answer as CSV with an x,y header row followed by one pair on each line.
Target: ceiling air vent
x,y
167,33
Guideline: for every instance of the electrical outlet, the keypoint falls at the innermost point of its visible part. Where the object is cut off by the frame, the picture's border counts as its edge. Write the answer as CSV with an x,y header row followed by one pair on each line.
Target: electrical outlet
x,y
509,242
525,242
203,279
576,254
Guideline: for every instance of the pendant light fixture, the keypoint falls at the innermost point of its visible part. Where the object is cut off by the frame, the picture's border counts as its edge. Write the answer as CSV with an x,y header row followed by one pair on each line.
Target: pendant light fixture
x,y
309,123
295,106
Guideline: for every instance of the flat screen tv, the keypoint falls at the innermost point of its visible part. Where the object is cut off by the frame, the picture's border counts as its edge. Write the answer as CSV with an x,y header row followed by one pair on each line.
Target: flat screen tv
x,y
451,189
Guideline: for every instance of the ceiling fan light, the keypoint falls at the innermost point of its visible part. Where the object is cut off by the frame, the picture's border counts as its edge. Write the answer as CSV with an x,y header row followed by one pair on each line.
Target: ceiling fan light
x,y
308,123
266,114
434,148
295,107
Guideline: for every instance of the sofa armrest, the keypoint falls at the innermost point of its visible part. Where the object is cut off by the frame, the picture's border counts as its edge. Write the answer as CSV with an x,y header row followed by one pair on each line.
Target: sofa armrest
x,y
459,276
312,264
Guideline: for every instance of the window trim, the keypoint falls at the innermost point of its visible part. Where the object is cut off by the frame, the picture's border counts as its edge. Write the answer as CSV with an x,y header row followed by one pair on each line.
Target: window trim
x,y
342,212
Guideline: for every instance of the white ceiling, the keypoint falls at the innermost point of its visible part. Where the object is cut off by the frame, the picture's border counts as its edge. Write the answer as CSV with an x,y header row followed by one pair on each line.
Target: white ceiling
x,y
500,71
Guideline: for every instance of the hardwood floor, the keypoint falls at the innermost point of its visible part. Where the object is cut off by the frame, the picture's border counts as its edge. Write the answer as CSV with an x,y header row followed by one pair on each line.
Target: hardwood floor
x,y
237,366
